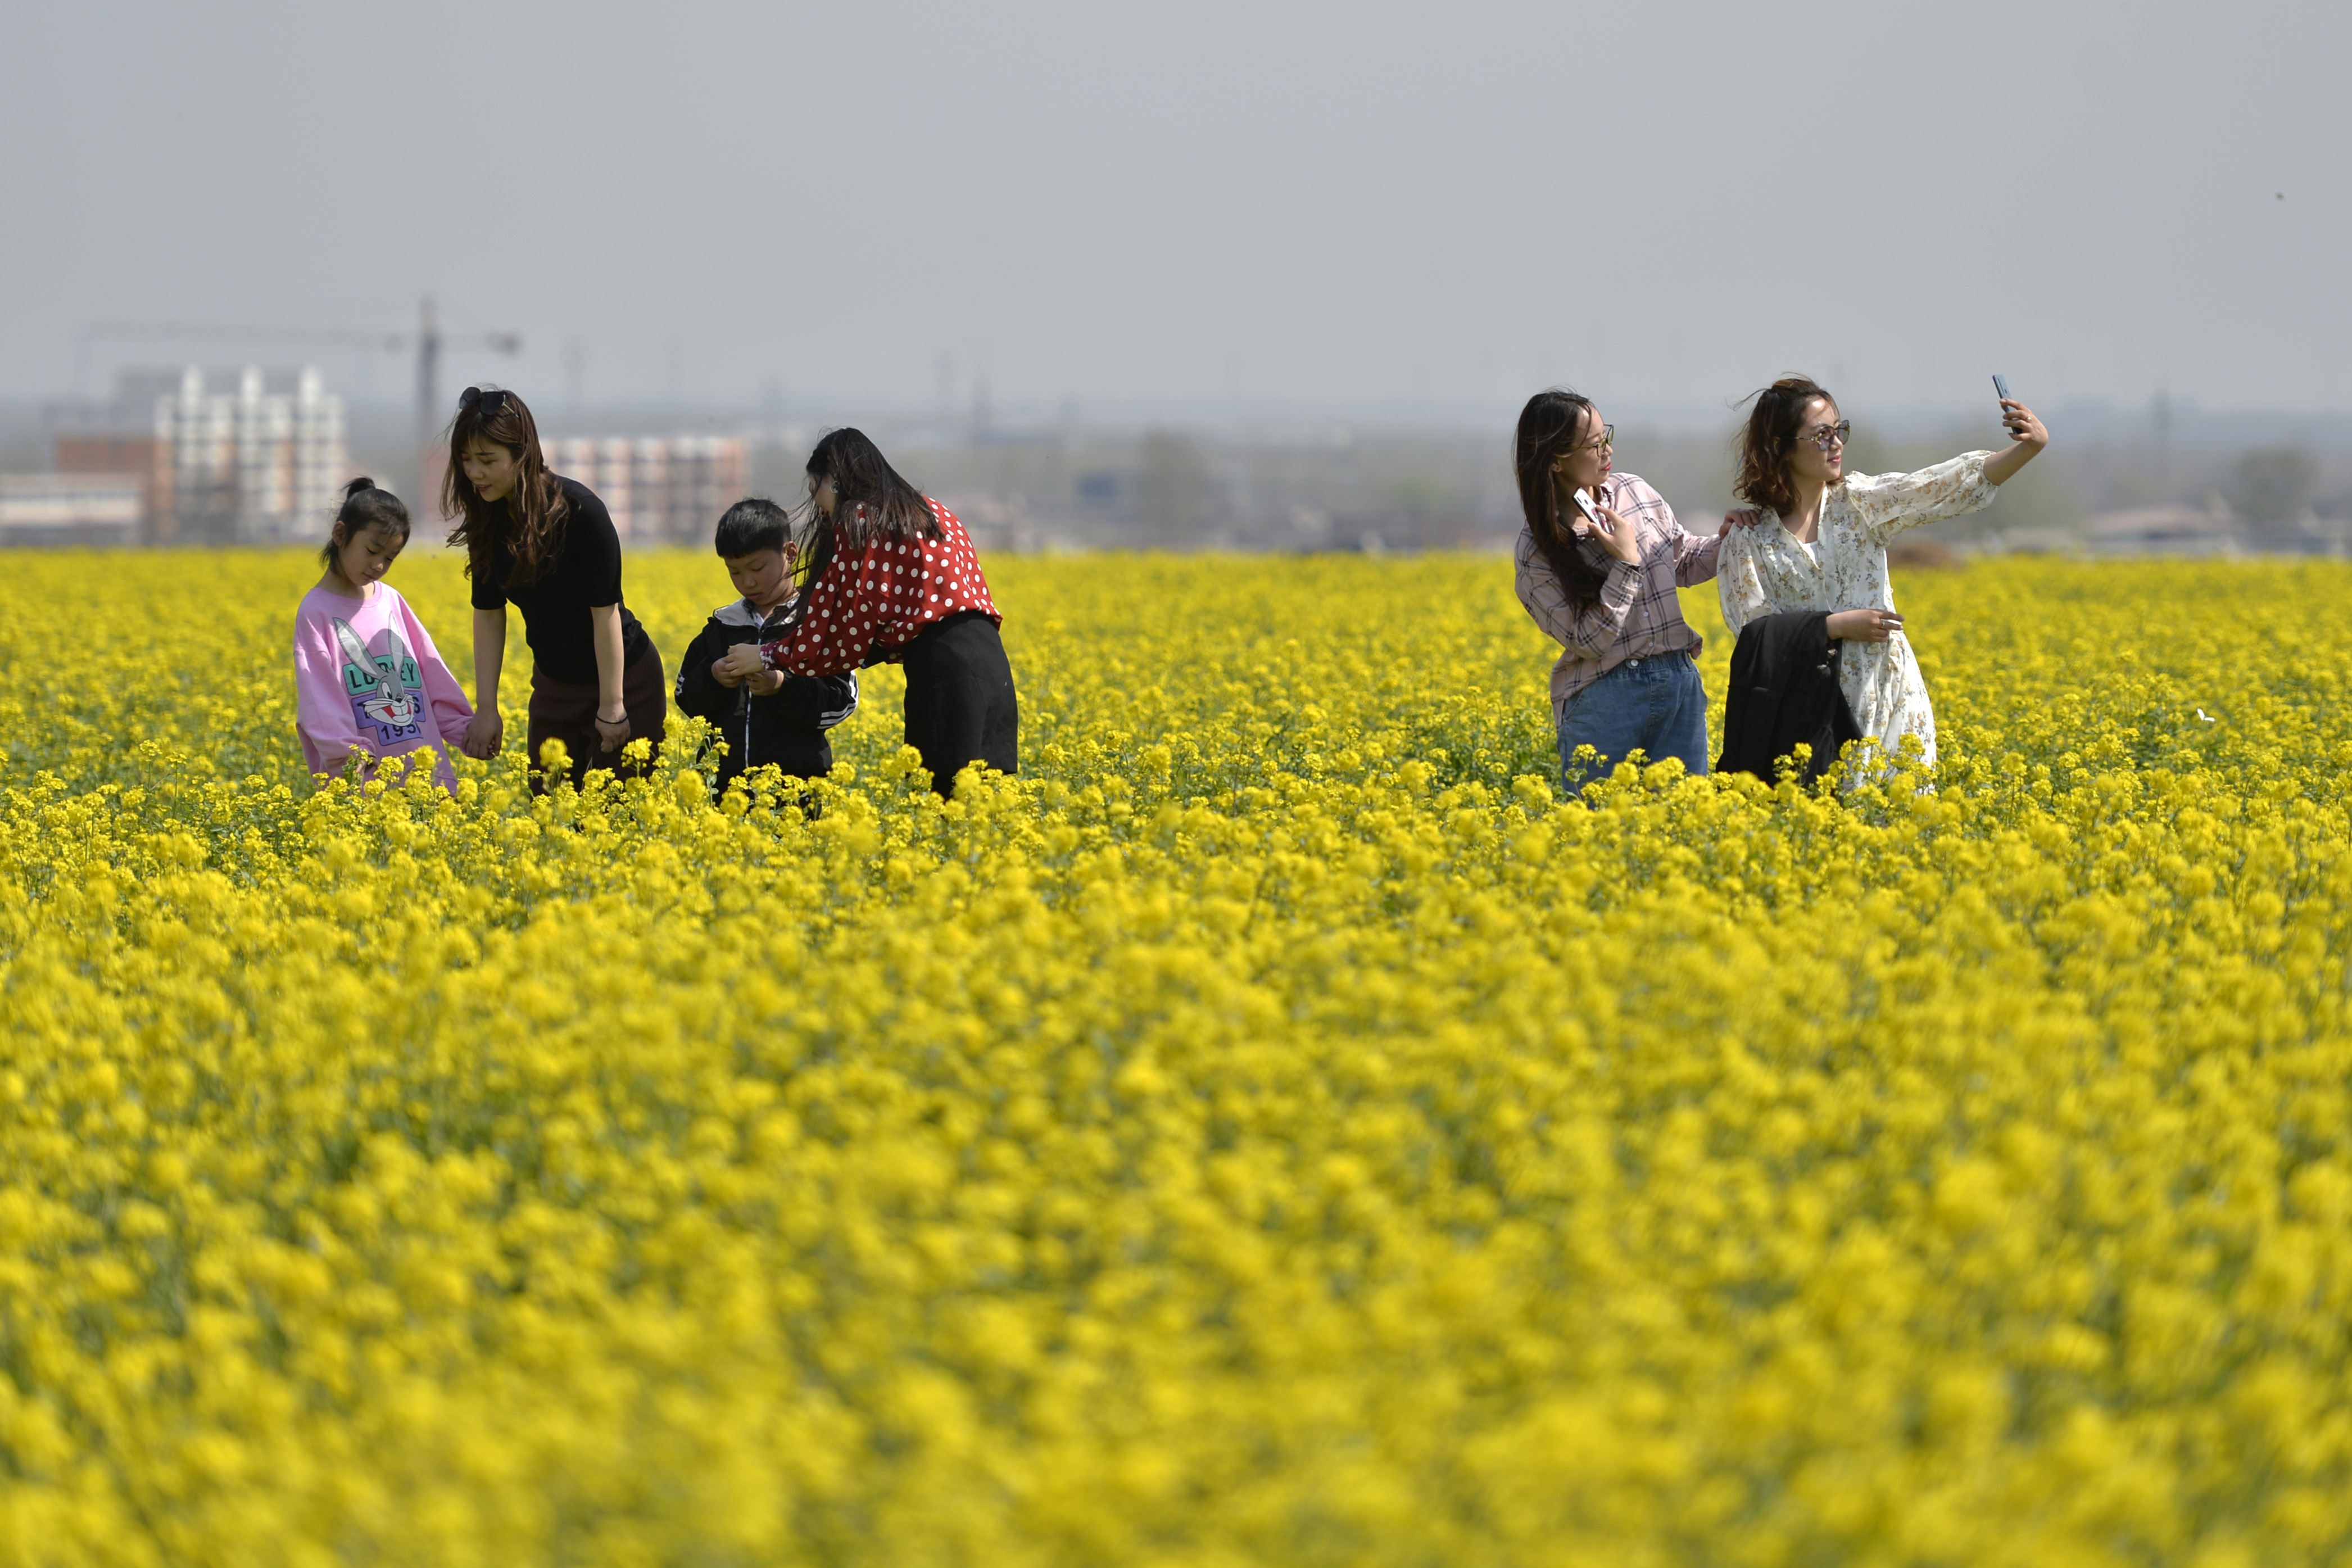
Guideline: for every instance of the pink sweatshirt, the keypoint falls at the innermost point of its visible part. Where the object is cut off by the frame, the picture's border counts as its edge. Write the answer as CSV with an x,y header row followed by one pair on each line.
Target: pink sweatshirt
x,y
366,674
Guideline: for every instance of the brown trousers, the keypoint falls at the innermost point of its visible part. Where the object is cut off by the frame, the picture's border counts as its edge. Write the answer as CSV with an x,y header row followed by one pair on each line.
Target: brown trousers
x,y
563,711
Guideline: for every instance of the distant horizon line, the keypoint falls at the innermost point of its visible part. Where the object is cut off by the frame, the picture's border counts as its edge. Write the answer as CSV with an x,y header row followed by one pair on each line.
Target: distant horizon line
x,y
1011,417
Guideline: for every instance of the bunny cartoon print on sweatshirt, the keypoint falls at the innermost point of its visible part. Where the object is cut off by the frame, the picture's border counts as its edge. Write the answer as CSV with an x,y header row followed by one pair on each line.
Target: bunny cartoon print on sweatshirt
x,y
385,688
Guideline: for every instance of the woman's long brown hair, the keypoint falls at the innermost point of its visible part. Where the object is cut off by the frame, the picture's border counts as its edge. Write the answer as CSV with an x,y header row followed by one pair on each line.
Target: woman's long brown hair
x,y
1548,425
1770,436
528,524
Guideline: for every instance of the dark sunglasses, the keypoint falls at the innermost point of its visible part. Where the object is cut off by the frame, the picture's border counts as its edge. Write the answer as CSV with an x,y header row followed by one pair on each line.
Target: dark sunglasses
x,y
490,402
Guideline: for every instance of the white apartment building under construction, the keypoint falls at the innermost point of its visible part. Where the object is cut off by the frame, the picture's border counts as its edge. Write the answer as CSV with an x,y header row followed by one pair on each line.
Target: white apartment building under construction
x,y
261,463
665,489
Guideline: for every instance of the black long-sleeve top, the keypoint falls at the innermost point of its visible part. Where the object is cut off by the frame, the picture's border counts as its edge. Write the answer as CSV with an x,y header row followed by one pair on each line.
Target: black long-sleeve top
x,y
584,570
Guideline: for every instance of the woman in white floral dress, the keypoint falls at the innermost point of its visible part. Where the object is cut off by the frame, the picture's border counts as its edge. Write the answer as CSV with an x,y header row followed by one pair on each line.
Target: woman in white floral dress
x,y
1821,543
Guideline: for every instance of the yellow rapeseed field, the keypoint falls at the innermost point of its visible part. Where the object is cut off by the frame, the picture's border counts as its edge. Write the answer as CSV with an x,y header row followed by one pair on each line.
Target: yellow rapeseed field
x,y
1274,1128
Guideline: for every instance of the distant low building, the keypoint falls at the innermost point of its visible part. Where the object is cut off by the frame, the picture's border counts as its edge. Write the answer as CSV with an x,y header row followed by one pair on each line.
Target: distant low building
x,y
92,509
2164,531
1002,525
2306,533
260,465
665,489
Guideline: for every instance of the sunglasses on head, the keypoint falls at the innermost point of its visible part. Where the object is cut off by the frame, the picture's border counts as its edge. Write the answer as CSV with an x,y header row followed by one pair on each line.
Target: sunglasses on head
x,y
490,402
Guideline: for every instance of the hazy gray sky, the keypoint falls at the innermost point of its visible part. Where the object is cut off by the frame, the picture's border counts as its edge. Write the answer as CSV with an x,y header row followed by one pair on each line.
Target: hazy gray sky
x,y
1663,205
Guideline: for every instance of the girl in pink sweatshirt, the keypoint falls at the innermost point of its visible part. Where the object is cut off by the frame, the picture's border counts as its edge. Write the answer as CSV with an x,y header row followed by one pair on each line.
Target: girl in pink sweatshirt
x,y
368,682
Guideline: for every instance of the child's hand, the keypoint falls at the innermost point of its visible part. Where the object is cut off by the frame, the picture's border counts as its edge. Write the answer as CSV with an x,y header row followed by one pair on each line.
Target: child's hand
x,y
485,733
767,683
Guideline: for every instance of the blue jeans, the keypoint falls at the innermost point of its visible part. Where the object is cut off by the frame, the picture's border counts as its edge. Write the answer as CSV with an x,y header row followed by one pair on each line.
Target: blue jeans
x,y
1655,705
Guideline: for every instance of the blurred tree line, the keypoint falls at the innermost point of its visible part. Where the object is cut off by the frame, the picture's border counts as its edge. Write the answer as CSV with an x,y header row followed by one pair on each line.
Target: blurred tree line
x,y
1368,488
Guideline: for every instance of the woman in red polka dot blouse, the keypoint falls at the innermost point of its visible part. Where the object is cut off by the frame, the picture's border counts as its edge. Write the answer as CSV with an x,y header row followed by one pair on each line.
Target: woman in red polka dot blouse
x,y
892,578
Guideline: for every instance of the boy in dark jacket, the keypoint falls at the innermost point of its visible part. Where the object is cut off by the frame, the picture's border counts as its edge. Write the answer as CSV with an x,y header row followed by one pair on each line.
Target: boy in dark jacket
x,y
762,715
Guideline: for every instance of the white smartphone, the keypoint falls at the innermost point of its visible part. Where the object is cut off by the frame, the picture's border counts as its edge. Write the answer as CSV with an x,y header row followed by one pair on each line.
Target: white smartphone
x,y
1584,504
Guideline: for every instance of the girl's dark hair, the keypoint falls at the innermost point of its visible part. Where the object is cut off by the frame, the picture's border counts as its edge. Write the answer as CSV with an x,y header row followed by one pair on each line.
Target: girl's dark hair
x,y
1770,436
1548,425
364,506
528,524
876,501
753,523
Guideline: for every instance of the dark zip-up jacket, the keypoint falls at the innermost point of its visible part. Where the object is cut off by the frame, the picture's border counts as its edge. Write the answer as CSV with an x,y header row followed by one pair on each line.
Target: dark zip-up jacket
x,y
1784,690
786,729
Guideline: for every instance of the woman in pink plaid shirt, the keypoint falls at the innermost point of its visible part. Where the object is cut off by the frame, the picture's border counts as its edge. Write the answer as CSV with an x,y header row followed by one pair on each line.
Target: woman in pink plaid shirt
x,y
1601,584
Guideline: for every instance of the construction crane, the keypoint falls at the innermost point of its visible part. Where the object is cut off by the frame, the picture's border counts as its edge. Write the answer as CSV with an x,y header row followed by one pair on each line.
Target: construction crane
x,y
429,341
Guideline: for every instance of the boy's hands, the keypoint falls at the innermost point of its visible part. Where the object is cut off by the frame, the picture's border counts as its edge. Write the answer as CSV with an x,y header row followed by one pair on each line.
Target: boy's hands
x,y
739,664
742,666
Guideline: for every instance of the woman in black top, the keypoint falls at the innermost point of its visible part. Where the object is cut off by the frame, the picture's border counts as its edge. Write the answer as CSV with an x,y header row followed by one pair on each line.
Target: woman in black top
x,y
546,545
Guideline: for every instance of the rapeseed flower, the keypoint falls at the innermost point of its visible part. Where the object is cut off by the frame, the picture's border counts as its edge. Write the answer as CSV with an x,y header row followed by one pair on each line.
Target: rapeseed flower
x,y
1273,1128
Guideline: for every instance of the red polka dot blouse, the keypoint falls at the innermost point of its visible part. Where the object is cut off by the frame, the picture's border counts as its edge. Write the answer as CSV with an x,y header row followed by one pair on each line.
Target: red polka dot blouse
x,y
882,598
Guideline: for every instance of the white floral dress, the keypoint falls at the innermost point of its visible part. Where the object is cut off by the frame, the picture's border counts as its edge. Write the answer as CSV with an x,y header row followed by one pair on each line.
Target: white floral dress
x,y
1763,570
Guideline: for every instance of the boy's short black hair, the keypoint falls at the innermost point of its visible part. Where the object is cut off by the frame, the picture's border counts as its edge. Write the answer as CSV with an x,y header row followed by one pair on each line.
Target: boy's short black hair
x,y
752,524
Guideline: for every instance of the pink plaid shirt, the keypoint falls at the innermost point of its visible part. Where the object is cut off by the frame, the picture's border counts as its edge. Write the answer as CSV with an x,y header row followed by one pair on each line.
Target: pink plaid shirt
x,y
1637,615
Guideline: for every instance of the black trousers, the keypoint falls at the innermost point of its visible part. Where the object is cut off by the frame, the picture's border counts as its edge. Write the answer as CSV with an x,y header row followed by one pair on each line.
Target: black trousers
x,y
960,702
568,712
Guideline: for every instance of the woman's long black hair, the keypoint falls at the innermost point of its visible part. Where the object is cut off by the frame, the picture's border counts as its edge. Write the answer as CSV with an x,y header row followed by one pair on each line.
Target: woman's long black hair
x,y
1548,425
876,501
872,500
